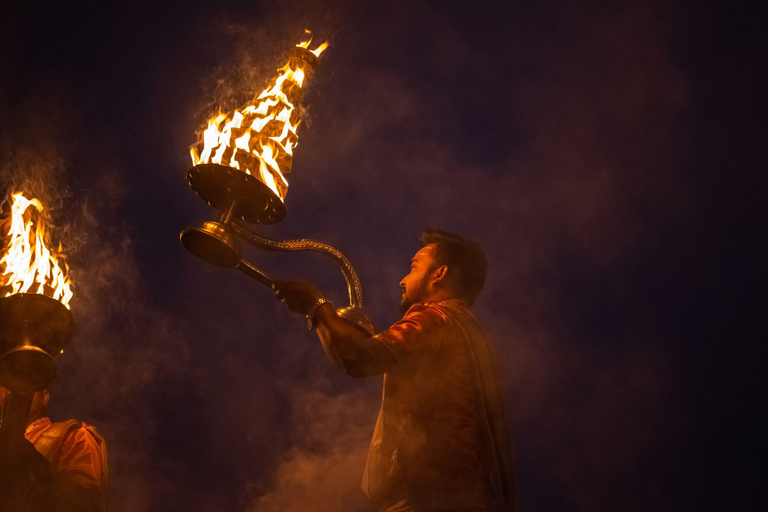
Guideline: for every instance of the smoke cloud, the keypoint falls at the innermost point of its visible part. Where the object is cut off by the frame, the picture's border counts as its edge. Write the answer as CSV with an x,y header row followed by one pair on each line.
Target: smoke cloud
x,y
122,342
586,153
323,467
547,135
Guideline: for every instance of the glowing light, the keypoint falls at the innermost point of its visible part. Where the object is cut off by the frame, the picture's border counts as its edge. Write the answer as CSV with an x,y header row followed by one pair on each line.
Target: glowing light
x,y
26,263
259,138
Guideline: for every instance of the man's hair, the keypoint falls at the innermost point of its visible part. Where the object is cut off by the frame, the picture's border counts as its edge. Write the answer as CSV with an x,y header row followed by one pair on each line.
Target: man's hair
x,y
465,260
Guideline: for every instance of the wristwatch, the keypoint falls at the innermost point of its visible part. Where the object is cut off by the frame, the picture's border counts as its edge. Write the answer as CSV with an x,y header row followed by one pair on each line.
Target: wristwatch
x,y
313,310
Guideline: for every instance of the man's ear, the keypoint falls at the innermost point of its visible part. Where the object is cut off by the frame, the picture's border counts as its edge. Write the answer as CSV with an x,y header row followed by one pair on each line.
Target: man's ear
x,y
439,275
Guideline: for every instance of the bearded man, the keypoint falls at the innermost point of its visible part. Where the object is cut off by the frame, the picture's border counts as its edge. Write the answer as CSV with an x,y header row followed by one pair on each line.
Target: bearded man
x,y
440,441
57,467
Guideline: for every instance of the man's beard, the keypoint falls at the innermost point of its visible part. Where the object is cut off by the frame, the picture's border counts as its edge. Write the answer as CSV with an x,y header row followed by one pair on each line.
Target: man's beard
x,y
417,294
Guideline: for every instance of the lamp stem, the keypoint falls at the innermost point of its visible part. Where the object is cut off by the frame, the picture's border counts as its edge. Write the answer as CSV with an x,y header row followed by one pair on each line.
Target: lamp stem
x,y
225,214
256,273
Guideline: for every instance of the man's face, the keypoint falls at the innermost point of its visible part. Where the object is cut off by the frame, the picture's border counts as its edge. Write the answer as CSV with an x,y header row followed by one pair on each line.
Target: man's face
x,y
415,286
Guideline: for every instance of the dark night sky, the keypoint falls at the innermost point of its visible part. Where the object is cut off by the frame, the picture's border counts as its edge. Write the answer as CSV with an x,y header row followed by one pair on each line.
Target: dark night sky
x,y
609,158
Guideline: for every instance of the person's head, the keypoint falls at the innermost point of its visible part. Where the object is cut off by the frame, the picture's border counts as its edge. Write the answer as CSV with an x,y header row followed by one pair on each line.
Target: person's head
x,y
446,267
39,400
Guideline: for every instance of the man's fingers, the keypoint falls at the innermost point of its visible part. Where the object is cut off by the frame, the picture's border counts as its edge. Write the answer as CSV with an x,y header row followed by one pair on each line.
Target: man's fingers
x,y
296,294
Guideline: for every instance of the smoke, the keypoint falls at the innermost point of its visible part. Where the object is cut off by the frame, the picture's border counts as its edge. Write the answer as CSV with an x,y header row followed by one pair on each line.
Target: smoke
x,y
582,109
246,54
562,208
124,345
545,136
322,468
122,341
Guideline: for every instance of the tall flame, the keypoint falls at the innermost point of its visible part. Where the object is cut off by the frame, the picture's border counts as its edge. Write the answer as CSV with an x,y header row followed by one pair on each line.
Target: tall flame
x,y
260,137
26,263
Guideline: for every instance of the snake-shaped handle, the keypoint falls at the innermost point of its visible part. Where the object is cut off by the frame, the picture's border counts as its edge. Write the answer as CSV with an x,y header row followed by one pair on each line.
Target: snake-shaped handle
x,y
354,287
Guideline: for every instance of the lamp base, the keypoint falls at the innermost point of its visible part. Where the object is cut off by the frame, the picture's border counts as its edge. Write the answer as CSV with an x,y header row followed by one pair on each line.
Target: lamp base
x,y
214,243
221,186
35,329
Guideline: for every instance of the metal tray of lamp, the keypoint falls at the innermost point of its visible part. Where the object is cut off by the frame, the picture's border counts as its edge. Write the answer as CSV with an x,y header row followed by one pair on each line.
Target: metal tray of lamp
x,y
220,186
35,328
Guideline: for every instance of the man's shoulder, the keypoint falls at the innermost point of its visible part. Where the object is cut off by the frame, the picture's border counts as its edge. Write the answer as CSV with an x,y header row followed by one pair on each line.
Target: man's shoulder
x,y
423,317
429,319
71,429
59,428
439,312
452,305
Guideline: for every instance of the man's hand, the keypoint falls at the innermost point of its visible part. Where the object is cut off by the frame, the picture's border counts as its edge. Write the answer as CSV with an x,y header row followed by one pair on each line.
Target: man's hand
x,y
299,295
347,345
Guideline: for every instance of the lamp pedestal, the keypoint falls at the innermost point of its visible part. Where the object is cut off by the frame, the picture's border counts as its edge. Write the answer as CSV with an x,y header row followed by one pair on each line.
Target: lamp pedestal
x,y
241,197
35,328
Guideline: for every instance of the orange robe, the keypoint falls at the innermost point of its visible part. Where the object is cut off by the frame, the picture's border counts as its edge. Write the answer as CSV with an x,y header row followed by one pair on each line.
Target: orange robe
x,y
74,448
440,441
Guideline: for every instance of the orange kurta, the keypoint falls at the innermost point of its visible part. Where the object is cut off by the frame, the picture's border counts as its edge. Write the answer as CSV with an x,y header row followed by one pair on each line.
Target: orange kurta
x,y
74,448
440,441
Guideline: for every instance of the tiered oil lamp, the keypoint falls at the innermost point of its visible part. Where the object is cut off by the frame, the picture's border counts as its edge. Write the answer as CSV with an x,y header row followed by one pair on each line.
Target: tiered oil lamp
x,y
240,171
35,321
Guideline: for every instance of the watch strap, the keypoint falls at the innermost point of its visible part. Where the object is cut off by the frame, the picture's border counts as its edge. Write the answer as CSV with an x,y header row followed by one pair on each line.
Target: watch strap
x,y
313,311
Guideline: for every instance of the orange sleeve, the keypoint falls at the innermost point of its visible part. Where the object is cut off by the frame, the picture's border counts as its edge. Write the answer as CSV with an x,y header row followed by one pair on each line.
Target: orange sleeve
x,y
421,332
81,459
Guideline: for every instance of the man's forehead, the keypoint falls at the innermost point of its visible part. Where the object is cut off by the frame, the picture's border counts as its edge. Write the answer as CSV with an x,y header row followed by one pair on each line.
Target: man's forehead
x,y
424,253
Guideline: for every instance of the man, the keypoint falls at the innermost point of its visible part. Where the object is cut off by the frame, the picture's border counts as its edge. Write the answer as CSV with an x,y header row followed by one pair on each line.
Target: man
x,y
440,442
57,467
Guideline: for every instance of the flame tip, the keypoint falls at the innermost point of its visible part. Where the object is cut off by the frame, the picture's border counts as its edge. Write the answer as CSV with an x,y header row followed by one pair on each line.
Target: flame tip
x,y
28,265
259,138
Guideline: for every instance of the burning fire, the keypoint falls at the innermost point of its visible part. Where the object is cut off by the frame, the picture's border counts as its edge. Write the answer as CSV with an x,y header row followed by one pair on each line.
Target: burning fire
x,y
259,138
26,264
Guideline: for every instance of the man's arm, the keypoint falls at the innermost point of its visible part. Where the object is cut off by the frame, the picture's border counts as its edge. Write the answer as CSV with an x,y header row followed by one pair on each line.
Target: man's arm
x,y
349,347
352,349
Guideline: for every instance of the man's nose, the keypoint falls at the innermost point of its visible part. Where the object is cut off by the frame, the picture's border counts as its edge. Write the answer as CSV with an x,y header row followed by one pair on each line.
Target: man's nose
x,y
402,283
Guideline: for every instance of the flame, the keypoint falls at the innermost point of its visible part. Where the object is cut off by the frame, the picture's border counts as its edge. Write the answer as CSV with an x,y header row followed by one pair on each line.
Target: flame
x,y
259,138
305,44
26,263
